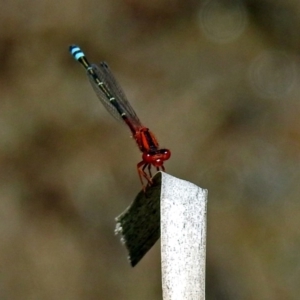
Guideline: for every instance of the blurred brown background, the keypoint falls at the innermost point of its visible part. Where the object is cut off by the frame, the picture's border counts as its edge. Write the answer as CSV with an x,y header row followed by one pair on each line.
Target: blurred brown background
x,y
216,81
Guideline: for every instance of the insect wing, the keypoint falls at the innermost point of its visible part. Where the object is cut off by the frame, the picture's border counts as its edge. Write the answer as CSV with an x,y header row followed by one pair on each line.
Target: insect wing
x,y
103,98
113,88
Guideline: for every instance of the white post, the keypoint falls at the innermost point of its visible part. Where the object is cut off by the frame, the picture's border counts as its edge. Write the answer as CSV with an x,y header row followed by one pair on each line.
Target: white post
x,y
183,239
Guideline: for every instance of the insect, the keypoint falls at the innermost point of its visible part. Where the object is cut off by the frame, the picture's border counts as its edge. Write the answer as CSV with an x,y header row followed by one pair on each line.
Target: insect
x,y
114,100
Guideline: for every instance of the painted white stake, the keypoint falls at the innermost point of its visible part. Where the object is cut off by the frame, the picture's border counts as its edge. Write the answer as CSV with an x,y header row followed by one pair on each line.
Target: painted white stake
x,y
183,239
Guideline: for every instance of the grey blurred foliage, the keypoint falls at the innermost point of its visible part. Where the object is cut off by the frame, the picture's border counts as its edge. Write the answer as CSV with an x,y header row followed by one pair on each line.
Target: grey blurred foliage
x,y
216,81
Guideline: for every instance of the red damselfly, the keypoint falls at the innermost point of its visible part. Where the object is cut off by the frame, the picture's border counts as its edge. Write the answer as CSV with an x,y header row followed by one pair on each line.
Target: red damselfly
x,y
114,100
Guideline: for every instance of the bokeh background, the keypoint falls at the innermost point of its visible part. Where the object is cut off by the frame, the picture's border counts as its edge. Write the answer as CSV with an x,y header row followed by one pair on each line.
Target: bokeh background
x,y
216,81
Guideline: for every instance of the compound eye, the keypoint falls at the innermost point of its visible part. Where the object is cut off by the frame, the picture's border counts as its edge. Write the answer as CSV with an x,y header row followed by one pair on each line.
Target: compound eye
x,y
166,154
147,158
158,162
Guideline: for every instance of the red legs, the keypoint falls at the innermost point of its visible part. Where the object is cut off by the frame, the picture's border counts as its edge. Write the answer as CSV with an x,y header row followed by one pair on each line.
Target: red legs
x,y
141,166
162,168
142,174
149,170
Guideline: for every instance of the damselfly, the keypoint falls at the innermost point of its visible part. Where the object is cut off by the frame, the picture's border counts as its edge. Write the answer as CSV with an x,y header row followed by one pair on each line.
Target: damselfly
x,y
114,100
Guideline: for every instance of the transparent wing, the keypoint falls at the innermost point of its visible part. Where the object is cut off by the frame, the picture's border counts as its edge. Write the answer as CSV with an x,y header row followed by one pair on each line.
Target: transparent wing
x,y
113,88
